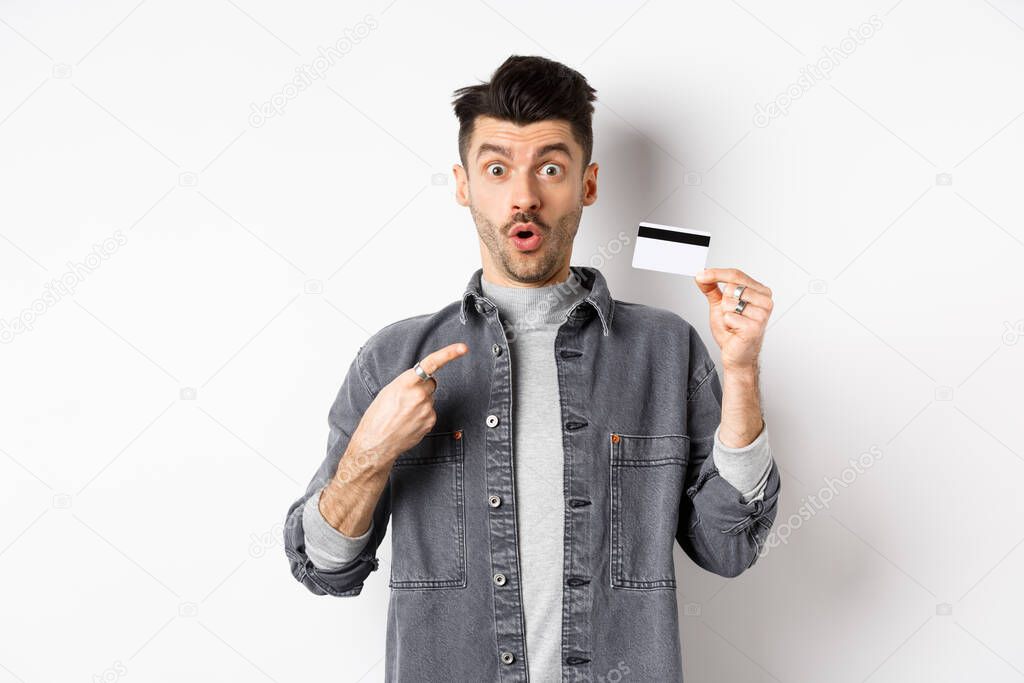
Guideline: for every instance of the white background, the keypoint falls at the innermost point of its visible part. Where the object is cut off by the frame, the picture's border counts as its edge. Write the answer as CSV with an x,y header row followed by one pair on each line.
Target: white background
x,y
156,423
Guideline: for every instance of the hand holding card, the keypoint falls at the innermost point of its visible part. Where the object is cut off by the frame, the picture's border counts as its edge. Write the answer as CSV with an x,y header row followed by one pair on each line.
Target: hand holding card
x,y
738,315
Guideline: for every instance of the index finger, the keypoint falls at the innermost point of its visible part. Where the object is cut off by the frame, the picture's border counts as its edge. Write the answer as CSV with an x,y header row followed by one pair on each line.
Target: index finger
x,y
436,360
736,276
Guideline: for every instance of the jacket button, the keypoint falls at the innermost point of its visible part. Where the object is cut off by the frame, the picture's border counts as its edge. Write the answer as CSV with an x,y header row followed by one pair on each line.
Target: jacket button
x,y
457,435
496,350
507,657
499,579
494,501
492,420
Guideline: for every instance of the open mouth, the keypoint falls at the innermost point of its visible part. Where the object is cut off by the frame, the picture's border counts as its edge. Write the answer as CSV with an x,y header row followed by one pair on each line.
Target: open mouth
x,y
526,239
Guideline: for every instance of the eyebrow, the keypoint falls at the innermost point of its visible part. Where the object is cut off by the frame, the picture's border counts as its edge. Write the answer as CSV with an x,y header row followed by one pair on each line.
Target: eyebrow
x,y
506,152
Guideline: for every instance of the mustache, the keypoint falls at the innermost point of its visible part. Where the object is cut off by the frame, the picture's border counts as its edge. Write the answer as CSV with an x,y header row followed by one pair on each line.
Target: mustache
x,y
525,218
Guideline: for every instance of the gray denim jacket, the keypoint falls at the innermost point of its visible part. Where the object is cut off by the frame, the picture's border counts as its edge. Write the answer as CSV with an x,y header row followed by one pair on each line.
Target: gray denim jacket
x,y
640,401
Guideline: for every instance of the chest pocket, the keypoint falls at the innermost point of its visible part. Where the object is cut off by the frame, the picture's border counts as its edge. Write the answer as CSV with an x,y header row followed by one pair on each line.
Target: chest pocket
x,y
428,515
646,480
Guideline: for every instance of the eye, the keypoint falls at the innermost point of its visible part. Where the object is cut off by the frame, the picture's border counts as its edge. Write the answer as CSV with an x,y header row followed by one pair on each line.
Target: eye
x,y
557,170
491,168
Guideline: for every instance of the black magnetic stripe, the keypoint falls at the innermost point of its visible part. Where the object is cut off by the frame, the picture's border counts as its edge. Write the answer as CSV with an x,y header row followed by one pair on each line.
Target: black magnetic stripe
x,y
673,236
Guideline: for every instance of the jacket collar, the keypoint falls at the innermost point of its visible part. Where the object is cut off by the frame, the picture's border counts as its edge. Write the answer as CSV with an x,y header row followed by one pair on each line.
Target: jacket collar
x,y
598,298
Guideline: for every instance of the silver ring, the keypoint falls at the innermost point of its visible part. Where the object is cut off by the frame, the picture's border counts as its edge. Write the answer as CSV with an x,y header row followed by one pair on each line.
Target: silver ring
x,y
421,373
738,292
740,305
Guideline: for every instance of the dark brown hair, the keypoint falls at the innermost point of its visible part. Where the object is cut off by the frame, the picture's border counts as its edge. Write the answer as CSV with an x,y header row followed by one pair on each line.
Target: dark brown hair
x,y
525,90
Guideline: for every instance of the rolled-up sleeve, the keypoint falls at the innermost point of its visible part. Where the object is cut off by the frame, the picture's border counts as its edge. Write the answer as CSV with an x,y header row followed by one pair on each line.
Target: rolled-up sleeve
x,y
746,467
336,571
328,548
722,527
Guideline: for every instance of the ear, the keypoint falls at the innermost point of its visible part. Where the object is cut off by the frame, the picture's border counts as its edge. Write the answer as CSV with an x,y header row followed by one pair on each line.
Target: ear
x,y
461,185
590,184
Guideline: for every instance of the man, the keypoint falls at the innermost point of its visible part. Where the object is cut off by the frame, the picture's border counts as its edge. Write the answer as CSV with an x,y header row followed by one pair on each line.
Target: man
x,y
537,446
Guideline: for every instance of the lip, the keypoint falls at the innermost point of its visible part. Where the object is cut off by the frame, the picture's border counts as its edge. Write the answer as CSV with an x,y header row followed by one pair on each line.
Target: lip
x,y
526,244
519,227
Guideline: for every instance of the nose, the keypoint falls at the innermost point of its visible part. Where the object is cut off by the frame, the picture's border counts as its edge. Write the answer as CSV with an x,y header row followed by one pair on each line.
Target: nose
x,y
525,196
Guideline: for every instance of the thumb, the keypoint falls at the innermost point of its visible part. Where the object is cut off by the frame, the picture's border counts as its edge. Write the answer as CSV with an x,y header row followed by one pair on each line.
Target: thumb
x,y
708,287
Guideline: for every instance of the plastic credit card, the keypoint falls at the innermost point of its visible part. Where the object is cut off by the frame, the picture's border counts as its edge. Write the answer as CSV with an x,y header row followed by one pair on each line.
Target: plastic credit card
x,y
671,249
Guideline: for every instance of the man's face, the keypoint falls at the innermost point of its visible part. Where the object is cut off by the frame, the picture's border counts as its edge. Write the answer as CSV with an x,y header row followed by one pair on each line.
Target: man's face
x,y
525,178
